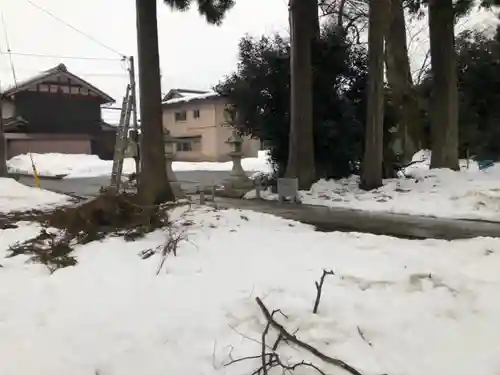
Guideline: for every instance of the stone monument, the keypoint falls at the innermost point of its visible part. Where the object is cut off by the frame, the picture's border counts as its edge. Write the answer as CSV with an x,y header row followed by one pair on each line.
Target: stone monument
x,y
238,183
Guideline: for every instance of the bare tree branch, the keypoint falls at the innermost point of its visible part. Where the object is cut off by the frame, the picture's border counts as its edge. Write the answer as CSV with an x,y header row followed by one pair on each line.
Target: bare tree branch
x,y
293,339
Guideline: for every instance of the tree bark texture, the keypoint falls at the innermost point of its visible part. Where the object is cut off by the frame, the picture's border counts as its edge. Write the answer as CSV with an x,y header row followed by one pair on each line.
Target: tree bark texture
x,y
153,183
371,175
399,78
444,115
301,143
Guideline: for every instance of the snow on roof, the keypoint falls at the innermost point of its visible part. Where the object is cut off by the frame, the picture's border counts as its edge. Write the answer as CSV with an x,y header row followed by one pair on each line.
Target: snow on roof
x,y
57,70
191,96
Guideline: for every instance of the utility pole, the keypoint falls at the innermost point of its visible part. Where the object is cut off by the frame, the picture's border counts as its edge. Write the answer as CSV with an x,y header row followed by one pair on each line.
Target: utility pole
x,y
135,126
3,144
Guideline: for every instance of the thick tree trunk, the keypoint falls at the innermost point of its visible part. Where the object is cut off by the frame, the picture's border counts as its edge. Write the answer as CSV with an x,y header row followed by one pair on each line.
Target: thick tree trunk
x,y
153,183
301,143
399,78
371,175
444,126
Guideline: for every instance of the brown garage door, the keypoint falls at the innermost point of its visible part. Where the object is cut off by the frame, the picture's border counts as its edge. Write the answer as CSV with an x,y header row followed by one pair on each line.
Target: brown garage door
x,y
44,146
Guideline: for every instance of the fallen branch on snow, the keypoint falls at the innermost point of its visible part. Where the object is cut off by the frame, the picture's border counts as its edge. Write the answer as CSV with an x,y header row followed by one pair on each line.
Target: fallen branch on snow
x,y
272,359
294,340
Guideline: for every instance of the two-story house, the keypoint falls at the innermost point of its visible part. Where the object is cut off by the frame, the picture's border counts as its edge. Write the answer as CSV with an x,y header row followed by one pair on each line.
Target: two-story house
x,y
56,111
197,120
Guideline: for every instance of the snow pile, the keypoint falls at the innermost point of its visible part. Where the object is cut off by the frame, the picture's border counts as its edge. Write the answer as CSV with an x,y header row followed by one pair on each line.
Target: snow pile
x,y
393,307
76,166
70,165
468,194
421,163
258,164
18,197
438,193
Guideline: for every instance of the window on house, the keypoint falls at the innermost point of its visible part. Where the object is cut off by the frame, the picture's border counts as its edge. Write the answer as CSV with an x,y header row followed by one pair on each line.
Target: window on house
x,y
196,113
180,116
187,144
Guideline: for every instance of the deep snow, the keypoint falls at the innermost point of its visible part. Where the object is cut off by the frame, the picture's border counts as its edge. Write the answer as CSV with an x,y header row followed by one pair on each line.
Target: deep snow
x,y
18,197
75,166
468,194
426,307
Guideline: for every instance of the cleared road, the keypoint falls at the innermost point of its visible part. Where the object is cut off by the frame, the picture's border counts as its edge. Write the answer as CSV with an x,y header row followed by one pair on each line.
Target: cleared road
x,y
330,219
323,218
90,186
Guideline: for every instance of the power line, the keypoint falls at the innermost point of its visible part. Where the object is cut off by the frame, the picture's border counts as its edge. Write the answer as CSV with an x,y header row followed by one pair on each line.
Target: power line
x,y
75,29
9,51
61,56
101,74
122,75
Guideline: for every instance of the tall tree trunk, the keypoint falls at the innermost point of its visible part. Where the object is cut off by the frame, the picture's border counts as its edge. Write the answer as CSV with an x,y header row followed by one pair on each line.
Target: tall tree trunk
x,y
444,126
301,143
371,175
313,8
153,183
399,78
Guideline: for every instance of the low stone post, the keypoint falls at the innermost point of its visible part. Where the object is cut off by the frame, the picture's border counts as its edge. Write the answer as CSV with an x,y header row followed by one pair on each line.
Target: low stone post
x,y
258,188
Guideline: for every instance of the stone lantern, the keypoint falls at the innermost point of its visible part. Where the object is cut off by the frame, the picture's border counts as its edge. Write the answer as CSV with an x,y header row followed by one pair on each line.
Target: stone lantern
x,y
169,148
238,183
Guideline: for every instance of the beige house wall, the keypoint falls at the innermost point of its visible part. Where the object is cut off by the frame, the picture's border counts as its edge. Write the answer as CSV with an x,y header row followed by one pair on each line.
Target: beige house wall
x,y
250,146
210,126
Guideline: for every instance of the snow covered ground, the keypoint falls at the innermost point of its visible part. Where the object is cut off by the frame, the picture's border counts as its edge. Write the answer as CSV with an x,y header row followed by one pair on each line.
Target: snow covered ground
x,y
393,306
470,193
18,197
74,166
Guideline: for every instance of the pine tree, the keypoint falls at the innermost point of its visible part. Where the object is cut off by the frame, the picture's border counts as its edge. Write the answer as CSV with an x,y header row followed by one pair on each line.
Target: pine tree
x,y
153,183
444,118
371,175
444,114
304,28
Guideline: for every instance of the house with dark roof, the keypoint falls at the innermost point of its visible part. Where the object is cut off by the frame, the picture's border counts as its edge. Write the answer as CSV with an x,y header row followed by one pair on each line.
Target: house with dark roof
x,y
198,122
56,112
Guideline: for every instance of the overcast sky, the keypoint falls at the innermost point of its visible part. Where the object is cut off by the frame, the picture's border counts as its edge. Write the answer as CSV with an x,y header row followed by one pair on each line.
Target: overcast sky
x,y
193,54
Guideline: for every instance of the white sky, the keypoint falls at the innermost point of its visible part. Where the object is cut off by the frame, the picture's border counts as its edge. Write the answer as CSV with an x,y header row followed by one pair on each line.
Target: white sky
x,y
193,54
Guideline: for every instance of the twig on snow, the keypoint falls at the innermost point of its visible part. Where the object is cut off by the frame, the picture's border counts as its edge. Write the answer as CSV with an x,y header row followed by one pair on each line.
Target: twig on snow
x,y
319,288
263,345
245,336
174,237
277,342
243,359
296,365
293,339
362,335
